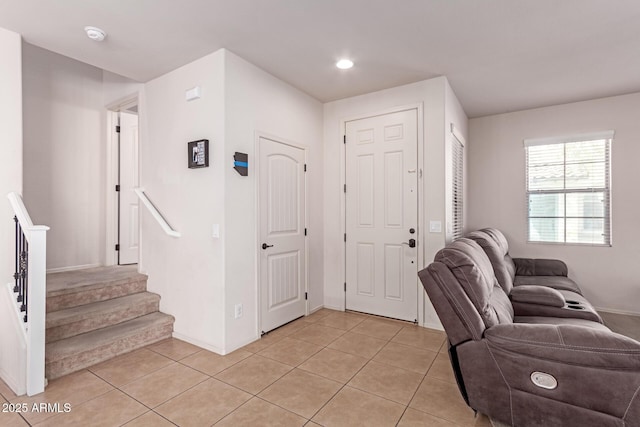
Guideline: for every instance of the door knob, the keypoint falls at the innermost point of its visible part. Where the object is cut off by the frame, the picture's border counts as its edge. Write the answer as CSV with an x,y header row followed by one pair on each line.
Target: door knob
x,y
411,243
265,246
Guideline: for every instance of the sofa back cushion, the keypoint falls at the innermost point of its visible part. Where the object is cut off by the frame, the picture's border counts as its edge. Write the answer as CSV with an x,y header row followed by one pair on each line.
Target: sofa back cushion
x,y
474,272
497,249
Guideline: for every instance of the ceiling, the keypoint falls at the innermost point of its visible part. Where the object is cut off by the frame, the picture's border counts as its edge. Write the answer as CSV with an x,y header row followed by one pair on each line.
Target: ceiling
x,y
499,55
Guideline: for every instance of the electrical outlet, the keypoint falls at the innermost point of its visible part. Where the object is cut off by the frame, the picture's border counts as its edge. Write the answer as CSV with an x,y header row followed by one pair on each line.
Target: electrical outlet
x,y
238,311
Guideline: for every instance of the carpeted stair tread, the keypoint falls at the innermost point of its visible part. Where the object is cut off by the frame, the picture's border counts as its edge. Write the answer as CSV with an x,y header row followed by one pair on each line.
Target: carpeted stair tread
x,y
71,281
73,288
85,318
78,352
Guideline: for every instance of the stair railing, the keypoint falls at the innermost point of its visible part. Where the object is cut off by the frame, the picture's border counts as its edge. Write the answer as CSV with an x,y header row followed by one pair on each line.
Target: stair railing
x,y
31,289
155,213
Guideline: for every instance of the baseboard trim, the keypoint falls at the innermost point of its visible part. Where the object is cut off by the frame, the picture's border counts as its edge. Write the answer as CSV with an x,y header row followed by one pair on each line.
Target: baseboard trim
x,y
313,310
614,311
198,343
10,381
72,267
432,325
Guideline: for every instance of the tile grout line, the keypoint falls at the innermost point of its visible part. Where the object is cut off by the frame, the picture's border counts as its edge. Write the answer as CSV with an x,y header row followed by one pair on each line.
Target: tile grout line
x,y
86,401
357,372
296,367
418,388
321,347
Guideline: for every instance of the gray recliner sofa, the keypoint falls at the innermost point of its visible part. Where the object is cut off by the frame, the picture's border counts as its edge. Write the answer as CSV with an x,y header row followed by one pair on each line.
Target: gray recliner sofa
x,y
529,370
536,287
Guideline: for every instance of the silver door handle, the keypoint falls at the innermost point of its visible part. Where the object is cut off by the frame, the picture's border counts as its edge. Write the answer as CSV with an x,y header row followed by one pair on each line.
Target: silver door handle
x,y
411,243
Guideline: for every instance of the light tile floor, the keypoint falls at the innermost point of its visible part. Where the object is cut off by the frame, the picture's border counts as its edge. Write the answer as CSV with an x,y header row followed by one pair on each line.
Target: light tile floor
x,y
330,368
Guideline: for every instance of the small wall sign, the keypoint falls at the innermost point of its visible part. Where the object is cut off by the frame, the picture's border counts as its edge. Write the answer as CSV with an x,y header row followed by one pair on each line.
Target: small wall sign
x,y
241,163
198,152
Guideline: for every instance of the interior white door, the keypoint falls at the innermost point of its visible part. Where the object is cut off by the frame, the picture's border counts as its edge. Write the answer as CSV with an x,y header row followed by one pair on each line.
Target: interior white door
x,y
382,215
128,180
282,233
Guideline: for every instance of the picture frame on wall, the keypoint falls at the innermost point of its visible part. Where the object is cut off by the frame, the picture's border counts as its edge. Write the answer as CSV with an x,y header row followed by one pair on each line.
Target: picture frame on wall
x,y
198,153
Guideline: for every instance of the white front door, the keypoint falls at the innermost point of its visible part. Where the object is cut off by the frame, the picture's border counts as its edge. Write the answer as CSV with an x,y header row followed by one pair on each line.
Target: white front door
x,y
382,215
282,233
128,180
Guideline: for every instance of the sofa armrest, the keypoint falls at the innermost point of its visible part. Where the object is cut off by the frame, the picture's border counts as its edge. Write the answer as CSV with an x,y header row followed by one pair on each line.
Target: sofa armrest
x,y
540,267
567,344
540,295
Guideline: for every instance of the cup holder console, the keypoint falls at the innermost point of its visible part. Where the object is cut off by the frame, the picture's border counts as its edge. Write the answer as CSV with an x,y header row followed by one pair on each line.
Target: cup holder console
x,y
575,307
572,302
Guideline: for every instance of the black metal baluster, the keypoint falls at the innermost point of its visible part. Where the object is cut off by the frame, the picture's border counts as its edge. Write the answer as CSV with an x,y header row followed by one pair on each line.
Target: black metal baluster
x,y
26,278
20,297
16,287
21,275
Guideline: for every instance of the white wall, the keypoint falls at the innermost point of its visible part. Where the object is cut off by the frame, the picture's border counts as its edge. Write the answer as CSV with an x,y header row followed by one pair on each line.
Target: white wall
x,y
258,102
607,275
188,272
63,155
116,88
433,95
12,350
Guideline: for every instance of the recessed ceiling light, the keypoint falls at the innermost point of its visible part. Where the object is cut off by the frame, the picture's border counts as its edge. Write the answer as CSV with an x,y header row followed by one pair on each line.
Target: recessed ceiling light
x,y
344,64
95,33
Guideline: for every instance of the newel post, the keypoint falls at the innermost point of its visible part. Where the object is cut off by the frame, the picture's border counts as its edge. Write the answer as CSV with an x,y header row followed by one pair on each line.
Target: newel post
x,y
37,291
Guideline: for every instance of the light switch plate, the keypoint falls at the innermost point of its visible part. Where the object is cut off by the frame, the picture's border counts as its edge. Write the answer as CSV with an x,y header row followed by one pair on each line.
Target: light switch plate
x,y
193,93
216,231
435,226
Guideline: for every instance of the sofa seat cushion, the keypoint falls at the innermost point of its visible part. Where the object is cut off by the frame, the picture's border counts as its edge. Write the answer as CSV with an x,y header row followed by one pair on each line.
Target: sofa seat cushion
x,y
569,345
541,320
555,282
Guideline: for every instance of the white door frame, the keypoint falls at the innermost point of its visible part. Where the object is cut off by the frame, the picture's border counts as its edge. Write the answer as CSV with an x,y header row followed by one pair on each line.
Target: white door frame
x,y
113,160
421,237
258,249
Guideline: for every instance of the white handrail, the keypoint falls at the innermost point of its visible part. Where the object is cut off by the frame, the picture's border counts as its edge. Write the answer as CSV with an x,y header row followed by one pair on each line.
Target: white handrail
x,y
155,213
20,210
36,235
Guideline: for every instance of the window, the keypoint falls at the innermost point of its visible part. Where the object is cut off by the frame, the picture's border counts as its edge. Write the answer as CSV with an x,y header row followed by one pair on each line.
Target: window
x,y
457,156
568,189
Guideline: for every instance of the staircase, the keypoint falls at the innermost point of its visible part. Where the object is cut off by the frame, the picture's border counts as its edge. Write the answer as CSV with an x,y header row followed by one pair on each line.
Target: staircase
x,y
98,313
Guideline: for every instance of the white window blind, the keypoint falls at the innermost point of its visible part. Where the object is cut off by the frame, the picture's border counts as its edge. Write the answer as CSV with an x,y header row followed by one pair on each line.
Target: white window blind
x,y
457,157
568,189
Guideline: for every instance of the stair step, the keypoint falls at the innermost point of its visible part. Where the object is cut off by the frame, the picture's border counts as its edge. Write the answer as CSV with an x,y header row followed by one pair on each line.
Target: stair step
x,y
79,287
81,351
85,318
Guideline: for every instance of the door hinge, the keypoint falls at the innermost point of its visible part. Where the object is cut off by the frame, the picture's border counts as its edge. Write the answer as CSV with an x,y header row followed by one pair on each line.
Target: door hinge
x,y
118,129
345,286
117,247
305,231
345,188
345,237
117,187
305,167
344,139
306,296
